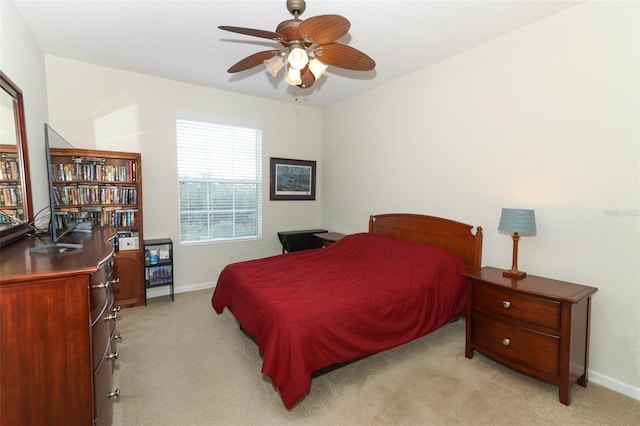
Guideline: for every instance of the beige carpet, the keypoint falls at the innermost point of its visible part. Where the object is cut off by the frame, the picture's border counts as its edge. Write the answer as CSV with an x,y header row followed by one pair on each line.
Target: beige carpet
x,y
181,364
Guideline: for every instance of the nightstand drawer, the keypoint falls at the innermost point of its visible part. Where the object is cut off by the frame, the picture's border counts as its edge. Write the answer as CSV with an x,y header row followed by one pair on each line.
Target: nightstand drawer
x,y
527,347
517,305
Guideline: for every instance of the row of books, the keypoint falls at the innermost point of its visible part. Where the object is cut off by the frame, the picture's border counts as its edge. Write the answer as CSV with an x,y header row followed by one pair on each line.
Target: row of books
x,y
10,196
7,215
158,275
127,234
94,194
93,171
9,170
99,216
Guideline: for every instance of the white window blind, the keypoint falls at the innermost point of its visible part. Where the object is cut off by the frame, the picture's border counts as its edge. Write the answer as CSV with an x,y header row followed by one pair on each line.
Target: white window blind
x,y
220,181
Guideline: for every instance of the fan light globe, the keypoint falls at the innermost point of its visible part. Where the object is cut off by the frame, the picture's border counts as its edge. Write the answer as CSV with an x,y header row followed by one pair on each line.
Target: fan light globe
x,y
293,77
298,58
317,68
274,64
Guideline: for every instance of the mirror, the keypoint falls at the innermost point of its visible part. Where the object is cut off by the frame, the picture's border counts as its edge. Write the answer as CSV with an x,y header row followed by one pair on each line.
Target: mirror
x,y
16,210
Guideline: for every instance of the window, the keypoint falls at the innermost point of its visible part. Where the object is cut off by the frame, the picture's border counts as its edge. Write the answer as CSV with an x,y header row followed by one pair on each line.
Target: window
x,y
220,181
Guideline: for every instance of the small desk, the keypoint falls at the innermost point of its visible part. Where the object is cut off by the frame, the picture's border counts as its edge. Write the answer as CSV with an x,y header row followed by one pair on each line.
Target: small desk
x,y
325,239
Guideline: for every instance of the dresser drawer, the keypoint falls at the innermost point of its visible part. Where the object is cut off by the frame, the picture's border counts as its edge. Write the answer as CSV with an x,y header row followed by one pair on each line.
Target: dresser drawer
x,y
103,386
101,332
516,305
529,348
103,379
99,292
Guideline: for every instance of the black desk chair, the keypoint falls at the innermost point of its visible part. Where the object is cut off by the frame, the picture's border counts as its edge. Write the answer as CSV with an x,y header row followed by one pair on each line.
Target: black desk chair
x,y
298,240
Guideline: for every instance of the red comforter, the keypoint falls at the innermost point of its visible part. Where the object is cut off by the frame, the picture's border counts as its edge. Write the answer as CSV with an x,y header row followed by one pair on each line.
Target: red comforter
x,y
362,295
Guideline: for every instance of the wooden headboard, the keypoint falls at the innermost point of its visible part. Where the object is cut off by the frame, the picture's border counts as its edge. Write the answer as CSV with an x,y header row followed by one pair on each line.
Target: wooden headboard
x,y
452,236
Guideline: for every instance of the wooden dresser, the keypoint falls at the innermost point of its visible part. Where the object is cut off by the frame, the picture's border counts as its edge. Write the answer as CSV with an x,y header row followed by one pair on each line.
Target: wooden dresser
x,y
57,332
535,325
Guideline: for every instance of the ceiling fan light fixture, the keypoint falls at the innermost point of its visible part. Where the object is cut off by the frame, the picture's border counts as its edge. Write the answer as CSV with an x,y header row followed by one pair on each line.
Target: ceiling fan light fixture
x,y
274,65
293,77
307,47
298,58
317,68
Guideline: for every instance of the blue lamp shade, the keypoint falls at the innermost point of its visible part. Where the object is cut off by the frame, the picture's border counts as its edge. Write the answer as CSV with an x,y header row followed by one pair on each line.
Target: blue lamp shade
x,y
522,221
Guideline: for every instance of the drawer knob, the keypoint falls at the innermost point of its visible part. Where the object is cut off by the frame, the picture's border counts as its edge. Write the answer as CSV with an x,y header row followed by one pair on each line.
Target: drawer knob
x,y
112,316
506,304
113,355
114,394
115,310
506,342
118,337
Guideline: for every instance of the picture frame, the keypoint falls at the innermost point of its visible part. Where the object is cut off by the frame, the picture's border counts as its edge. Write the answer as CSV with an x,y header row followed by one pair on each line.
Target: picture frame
x,y
292,179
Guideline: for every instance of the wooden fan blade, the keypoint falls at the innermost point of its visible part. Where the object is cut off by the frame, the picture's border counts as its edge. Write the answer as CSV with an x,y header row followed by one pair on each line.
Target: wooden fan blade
x,y
324,28
307,78
252,60
343,56
253,32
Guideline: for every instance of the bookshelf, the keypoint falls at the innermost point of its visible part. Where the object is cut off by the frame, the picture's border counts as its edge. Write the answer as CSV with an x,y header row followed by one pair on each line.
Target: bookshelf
x,y
105,189
158,265
11,202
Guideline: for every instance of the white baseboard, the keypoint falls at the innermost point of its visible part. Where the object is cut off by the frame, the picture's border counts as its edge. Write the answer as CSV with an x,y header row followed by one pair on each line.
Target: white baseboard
x,y
614,385
595,377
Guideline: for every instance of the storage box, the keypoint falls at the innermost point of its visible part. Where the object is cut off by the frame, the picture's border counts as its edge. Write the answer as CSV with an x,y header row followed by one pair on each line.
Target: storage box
x,y
128,243
163,253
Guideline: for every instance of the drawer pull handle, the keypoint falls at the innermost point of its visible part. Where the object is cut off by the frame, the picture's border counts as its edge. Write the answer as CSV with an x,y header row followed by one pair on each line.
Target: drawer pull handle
x,y
506,342
113,355
114,394
506,304
106,284
112,316
118,337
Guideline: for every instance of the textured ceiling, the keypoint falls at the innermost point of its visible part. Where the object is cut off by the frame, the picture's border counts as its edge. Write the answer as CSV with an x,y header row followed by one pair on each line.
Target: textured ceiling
x,y
180,40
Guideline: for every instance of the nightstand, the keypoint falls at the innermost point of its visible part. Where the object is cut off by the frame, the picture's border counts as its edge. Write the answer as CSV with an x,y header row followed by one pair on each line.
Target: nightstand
x,y
325,239
535,325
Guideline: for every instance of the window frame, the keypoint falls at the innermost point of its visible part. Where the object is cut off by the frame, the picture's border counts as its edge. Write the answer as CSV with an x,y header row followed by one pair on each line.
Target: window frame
x,y
234,183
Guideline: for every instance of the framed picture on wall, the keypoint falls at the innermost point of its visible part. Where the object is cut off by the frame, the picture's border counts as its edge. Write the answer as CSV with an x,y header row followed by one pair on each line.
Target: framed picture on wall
x,y
292,179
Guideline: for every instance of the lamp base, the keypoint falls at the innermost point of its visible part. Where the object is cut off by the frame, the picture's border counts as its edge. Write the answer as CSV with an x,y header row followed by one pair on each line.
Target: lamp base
x,y
518,275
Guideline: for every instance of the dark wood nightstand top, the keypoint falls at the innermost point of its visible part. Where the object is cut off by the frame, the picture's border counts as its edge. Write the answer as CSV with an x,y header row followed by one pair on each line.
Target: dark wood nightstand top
x,y
325,239
540,286
330,236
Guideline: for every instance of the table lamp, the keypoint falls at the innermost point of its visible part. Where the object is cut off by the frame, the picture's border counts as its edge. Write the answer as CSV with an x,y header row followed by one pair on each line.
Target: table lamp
x,y
517,222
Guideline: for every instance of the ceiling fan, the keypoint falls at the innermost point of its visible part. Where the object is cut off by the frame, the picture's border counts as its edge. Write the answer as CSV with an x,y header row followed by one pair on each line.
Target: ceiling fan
x,y
308,47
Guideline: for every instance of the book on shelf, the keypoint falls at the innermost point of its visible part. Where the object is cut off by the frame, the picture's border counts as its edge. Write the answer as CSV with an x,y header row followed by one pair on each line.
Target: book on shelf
x,y
95,169
9,168
10,196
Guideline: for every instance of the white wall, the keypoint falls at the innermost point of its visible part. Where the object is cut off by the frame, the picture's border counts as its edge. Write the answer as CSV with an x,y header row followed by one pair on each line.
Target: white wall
x,y
22,61
103,108
545,117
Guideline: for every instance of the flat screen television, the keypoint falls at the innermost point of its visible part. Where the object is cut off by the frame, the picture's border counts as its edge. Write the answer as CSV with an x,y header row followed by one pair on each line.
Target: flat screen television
x,y
53,140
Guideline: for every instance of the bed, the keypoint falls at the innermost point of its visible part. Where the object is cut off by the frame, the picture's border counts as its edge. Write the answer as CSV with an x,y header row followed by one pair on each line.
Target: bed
x,y
366,293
